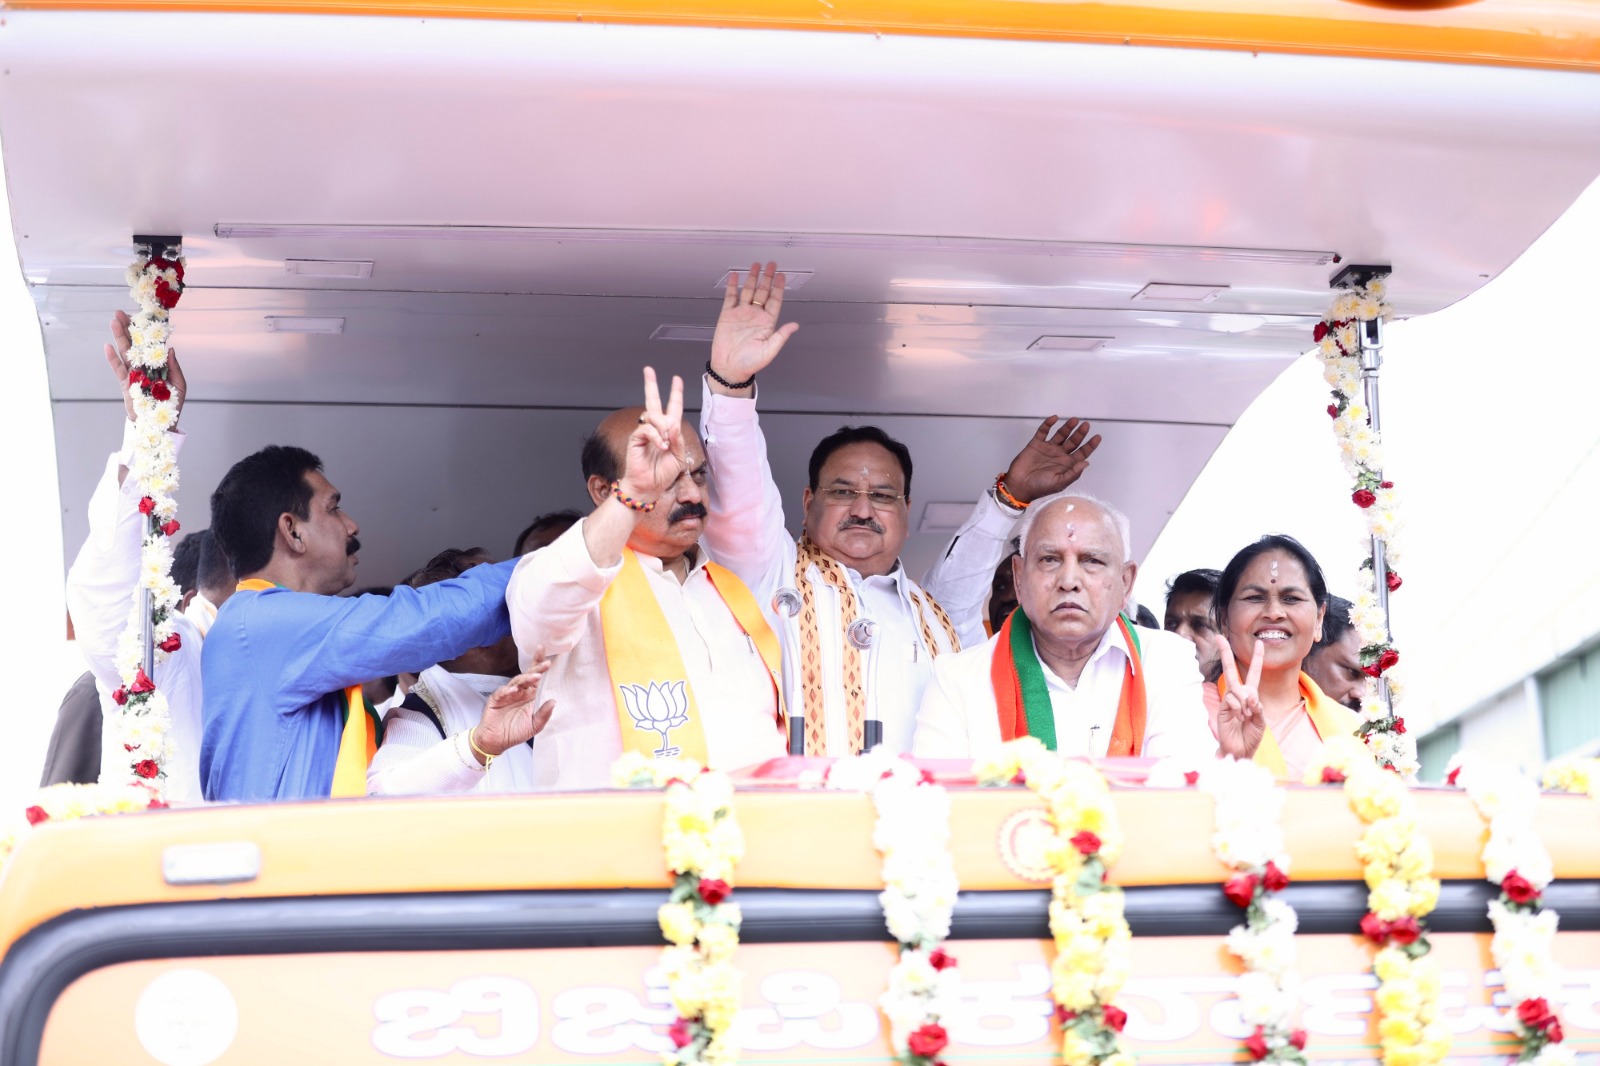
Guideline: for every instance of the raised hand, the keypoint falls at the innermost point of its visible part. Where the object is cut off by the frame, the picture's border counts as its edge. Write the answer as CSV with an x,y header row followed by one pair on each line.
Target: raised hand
x,y
654,457
509,718
1241,721
748,336
117,356
1049,464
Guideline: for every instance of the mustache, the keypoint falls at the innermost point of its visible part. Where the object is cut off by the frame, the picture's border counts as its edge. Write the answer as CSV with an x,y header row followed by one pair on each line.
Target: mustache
x,y
1353,703
352,546
686,510
854,522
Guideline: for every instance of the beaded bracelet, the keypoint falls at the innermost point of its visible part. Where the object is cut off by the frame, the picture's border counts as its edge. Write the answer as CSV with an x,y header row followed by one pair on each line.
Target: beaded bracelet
x,y
725,383
628,501
1004,495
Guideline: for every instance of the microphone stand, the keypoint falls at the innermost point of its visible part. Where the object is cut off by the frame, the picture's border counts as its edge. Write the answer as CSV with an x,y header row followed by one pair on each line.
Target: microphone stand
x,y
863,634
786,605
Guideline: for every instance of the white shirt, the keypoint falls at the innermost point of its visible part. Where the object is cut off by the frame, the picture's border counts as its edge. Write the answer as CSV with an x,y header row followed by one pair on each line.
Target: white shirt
x,y
413,760
960,719
745,532
102,590
201,613
554,597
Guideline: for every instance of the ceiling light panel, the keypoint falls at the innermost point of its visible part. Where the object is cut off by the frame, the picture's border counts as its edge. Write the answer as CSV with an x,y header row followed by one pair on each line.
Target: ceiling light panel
x,y
294,324
1068,344
1190,294
668,331
792,279
944,517
328,268
756,239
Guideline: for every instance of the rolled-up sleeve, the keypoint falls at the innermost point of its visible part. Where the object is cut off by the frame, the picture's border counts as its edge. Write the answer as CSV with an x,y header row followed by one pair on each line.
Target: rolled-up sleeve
x,y
552,593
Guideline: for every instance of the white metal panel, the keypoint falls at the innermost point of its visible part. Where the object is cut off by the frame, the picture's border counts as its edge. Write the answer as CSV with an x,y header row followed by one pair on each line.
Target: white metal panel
x,y
418,480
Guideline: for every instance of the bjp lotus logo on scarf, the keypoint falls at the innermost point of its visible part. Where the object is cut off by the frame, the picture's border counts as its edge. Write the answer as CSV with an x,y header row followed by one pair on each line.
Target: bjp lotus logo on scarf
x,y
661,708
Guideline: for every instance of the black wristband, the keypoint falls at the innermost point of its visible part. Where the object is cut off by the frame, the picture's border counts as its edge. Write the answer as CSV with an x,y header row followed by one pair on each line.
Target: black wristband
x,y
725,383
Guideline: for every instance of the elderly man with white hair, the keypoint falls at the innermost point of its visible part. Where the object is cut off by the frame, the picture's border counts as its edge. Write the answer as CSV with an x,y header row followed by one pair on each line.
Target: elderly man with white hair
x,y
1066,667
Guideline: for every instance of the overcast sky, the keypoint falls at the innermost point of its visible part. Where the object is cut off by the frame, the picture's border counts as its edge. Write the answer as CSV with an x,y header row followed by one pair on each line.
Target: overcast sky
x,y
1491,437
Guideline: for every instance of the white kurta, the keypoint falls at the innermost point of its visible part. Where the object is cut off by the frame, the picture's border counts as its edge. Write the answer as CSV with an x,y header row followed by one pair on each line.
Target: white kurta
x,y
960,719
102,586
746,533
554,597
414,760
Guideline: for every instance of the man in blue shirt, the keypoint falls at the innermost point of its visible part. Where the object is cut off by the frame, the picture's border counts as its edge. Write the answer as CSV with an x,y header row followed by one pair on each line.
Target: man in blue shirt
x,y
285,646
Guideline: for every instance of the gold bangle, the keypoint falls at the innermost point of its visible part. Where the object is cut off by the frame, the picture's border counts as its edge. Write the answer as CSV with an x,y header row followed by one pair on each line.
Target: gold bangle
x,y
488,760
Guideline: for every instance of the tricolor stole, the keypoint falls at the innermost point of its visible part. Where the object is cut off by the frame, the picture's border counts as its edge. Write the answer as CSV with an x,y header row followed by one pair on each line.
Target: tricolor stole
x,y
648,679
1023,699
360,733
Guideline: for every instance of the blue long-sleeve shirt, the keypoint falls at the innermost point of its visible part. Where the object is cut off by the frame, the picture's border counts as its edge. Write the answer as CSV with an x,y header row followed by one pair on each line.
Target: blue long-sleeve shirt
x,y
276,664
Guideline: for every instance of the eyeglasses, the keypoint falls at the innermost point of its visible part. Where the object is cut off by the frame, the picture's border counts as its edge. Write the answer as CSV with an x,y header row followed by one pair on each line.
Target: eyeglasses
x,y
880,501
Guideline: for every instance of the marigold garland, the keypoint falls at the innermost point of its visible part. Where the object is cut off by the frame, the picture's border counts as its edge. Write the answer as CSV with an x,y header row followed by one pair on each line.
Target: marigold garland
x,y
1515,859
1093,943
1249,841
702,843
1397,862
66,802
144,723
1361,450
1574,774
919,896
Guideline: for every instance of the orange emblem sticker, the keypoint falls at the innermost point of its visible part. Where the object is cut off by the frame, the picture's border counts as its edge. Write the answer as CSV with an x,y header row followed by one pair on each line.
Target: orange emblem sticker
x,y
1025,839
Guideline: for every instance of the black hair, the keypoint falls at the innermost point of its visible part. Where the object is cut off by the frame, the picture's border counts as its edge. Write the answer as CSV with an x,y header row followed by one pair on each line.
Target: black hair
x,y
253,494
1228,583
1335,624
848,435
186,561
1143,616
214,572
599,459
452,562
1191,581
564,519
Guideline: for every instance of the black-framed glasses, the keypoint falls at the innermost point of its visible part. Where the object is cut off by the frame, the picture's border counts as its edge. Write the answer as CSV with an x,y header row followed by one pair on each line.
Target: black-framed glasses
x,y
880,501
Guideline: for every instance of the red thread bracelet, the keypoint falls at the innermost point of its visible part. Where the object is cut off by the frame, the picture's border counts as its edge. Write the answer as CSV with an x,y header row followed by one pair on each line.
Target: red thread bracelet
x,y
1004,495
628,501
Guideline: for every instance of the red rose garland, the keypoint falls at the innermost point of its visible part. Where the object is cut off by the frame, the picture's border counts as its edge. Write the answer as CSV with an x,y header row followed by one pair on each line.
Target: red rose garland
x,y
144,722
1361,450
1524,929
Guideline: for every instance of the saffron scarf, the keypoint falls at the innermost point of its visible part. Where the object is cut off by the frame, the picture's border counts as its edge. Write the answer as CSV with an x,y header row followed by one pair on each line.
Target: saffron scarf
x,y
1328,718
359,734
648,679
1022,698
832,573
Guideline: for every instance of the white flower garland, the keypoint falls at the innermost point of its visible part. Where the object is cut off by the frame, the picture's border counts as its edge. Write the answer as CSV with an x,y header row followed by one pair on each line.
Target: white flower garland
x,y
1515,859
144,723
1249,841
1361,450
68,801
1397,864
919,896
1093,942
702,843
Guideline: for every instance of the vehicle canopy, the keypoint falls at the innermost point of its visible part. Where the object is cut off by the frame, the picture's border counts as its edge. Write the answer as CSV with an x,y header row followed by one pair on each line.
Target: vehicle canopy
x,y
435,250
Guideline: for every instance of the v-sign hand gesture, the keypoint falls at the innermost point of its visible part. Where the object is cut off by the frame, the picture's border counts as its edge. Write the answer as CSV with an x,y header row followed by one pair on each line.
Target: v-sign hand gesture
x,y
655,454
1241,721
748,336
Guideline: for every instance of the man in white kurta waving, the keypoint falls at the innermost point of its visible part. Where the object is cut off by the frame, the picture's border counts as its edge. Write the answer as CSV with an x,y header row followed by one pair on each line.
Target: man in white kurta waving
x,y
654,648
857,513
